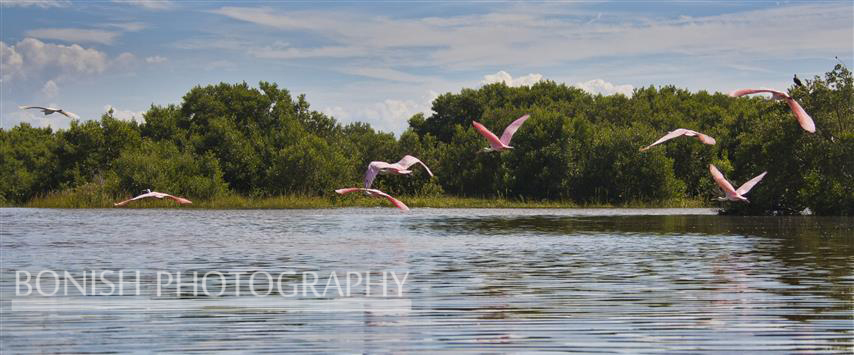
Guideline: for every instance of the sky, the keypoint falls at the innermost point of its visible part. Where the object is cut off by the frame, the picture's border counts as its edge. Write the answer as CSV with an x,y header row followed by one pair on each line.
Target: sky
x,y
380,62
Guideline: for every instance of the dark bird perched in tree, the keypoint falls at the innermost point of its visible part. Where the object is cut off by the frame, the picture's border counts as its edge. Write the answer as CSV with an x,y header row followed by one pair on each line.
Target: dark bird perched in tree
x,y
797,81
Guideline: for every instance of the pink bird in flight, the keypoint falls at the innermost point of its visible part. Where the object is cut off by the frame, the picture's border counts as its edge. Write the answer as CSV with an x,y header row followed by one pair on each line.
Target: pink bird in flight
x,y
682,132
155,194
375,193
731,193
399,168
496,144
804,119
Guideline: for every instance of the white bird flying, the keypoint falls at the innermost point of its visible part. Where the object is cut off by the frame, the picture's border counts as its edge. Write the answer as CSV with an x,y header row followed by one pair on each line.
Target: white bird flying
x,y
50,110
682,132
731,193
399,168
155,194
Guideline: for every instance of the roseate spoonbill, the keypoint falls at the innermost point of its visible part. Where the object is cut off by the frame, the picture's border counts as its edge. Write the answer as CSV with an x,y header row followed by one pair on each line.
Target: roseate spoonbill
x,y
50,110
148,193
797,81
374,193
731,193
399,168
682,132
496,144
803,118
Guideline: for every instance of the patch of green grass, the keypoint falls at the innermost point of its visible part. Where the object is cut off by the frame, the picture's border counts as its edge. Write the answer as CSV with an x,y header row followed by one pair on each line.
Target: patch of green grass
x,y
90,196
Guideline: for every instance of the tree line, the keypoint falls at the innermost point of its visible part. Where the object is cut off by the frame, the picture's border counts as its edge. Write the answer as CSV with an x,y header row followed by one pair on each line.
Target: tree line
x,y
237,139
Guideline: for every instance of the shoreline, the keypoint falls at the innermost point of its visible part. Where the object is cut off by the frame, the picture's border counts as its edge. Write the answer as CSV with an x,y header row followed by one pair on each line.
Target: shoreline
x,y
62,200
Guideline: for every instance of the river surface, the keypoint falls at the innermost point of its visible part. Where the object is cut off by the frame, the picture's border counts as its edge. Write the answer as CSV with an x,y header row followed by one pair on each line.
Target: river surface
x,y
455,280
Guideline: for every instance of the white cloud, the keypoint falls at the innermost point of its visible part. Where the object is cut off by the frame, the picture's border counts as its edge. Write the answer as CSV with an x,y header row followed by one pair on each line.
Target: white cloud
x,y
155,59
74,35
50,89
386,74
11,61
543,35
599,86
124,60
219,64
149,4
127,26
506,78
38,3
125,115
318,52
30,57
389,115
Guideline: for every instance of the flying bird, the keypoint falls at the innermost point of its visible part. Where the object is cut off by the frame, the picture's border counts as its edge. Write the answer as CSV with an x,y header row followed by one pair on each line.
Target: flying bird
x,y
50,110
731,193
159,195
374,193
496,144
399,168
804,119
682,132
797,81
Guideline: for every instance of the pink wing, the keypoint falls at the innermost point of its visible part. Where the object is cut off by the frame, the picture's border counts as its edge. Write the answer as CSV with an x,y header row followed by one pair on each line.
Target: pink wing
x,y
705,139
511,129
494,142
125,202
803,118
145,195
749,185
180,200
775,94
672,134
349,190
409,160
393,200
721,181
373,169
374,192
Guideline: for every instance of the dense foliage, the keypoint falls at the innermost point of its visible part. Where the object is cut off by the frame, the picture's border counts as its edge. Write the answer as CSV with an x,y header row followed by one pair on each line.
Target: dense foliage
x,y
234,139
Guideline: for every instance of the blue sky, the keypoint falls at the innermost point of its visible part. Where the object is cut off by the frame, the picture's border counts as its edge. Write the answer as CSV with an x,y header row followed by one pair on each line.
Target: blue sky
x,y
382,61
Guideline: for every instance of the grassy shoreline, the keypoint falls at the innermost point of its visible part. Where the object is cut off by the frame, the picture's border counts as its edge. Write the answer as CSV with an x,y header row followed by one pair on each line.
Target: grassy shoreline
x,y
101,200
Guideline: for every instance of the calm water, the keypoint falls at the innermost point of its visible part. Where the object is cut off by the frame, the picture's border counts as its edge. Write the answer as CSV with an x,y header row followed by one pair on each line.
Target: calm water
x,y
479,280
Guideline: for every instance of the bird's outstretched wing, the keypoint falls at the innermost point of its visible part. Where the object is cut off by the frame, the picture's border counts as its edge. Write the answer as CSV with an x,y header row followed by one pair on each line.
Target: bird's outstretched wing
x,y
145,195
672,134
29,107
706,139
179,200
743,189
348,190
373,169
494,142
804,119
721,181
69,114
511,129
409,160
774,93
397,203
374,192
125,202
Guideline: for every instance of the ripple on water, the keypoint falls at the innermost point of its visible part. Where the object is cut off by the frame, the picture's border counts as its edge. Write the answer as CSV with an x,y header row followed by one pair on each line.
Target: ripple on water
x,y
591,280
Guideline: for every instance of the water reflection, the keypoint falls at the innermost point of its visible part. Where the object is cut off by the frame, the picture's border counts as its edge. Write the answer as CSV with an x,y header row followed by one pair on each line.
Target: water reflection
x,y
480,280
